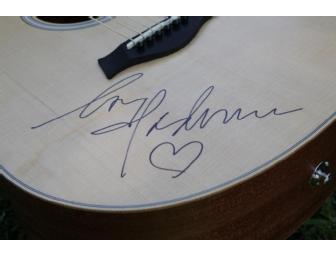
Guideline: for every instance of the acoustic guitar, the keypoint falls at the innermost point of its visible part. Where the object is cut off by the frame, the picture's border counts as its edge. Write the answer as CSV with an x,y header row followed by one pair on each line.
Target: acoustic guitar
x,y
167,127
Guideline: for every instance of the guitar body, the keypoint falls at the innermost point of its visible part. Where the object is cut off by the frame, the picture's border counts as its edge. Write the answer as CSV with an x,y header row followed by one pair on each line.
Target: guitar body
x,y
217,140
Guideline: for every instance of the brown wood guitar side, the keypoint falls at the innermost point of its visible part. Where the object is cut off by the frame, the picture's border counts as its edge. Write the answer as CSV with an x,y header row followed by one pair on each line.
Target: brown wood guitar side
x,y
271,205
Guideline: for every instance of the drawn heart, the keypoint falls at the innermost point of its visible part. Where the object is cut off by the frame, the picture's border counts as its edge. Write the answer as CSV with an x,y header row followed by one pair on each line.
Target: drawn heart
x,y
174,153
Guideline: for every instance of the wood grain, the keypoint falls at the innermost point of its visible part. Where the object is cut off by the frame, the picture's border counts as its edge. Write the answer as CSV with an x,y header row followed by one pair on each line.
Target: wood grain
x,y
253,64
271,205
248,177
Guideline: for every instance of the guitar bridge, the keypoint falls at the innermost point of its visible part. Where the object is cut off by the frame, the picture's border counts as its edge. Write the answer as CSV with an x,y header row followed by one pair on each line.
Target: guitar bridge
x,y
162,39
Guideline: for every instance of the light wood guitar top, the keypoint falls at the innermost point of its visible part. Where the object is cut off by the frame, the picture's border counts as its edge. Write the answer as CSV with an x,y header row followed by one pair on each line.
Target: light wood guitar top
x,y
243,95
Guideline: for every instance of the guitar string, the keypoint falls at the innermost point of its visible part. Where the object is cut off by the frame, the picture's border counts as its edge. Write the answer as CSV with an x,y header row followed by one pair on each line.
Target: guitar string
x,y
146,27
110,28
137,33
130,29
137,22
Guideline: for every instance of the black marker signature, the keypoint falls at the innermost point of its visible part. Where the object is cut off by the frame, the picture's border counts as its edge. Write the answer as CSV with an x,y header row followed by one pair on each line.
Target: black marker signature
x,y
174,152
146,106
107,98
202,118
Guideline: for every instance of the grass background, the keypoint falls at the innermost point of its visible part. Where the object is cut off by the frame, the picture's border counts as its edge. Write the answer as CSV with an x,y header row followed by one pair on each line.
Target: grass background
x,y
321,226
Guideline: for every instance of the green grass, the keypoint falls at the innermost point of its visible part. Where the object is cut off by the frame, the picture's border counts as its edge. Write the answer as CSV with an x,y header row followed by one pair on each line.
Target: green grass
x,y
321,226
9,225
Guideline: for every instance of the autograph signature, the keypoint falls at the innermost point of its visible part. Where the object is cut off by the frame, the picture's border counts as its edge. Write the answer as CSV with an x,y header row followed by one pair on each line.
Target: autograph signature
x,y
195,118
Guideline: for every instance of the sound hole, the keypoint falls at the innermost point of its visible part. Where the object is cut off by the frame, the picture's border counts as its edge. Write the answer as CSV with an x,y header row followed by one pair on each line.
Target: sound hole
x,y
64,19
63,23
